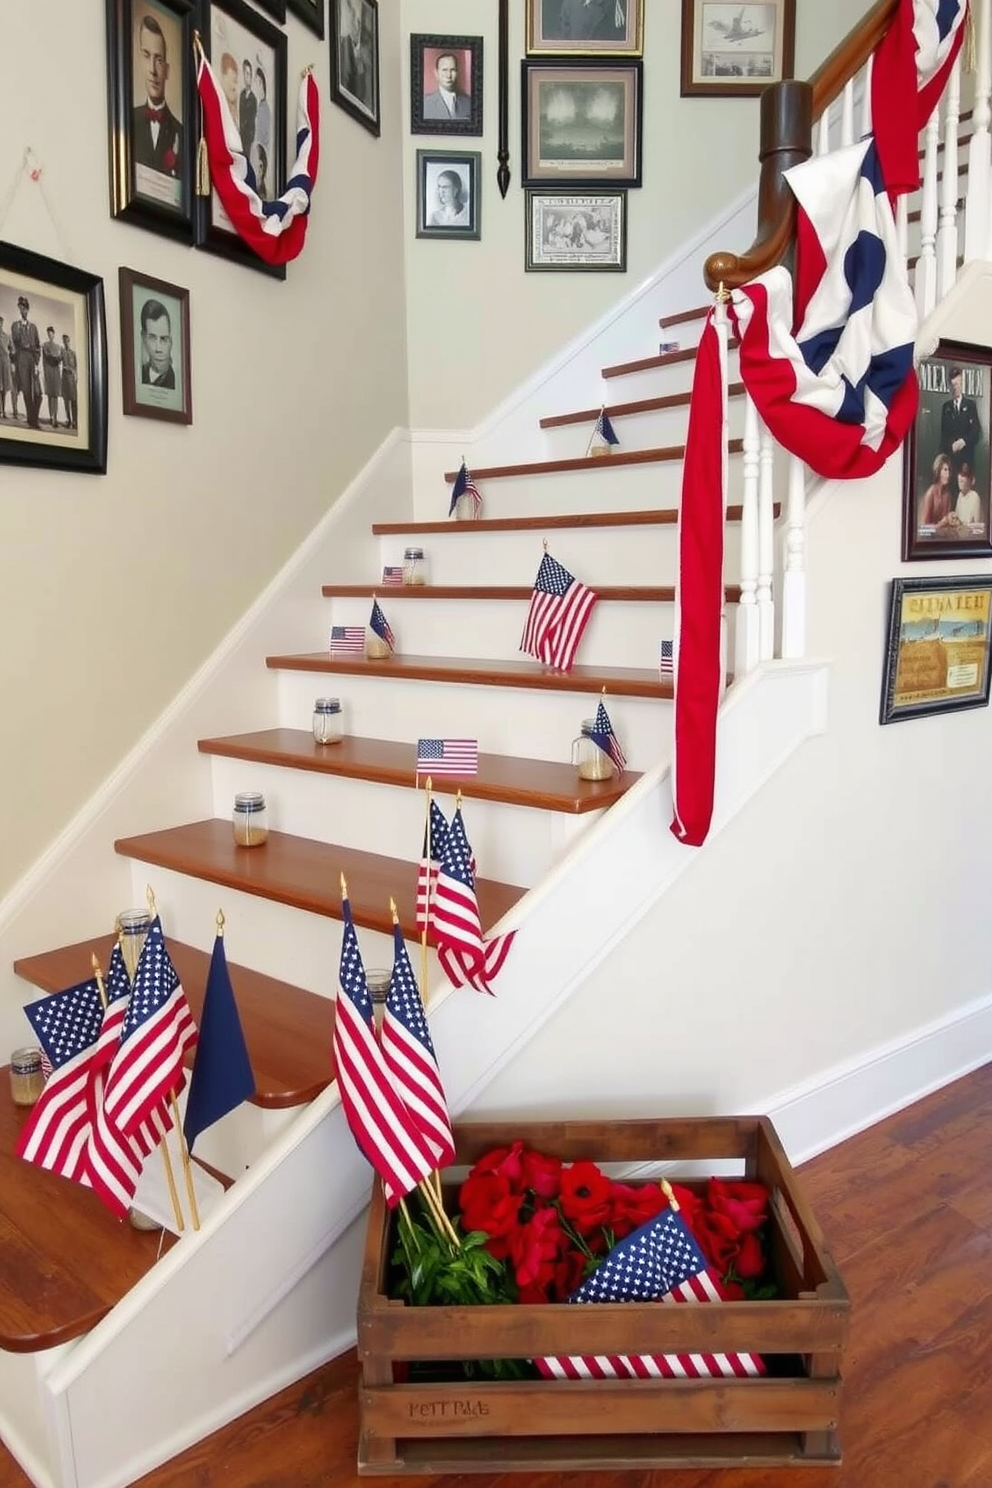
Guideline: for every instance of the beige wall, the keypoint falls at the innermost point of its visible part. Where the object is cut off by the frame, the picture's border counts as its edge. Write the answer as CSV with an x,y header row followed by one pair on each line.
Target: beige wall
x,y
115,588
473,305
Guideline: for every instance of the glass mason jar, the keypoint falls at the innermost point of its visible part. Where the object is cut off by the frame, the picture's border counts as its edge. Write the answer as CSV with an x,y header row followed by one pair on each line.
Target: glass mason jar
x,y
251,822
26,1079
133,926
376,649
414,566
328,723
591,762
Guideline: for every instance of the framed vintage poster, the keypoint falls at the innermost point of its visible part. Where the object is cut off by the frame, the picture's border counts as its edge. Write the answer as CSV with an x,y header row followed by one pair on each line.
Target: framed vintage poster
x,y
445,84
354,39
584,230
733,50
937,657
153,114
947,470
248,55
448,193
585,28
53,364
155,348
311,13
582,123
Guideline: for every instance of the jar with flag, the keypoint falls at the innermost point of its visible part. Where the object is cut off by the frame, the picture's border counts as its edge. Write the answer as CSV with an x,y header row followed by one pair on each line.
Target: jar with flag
x,y
591,762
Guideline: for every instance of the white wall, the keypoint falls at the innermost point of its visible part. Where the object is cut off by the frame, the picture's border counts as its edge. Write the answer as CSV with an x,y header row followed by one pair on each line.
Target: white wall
x,y
115,588
471,305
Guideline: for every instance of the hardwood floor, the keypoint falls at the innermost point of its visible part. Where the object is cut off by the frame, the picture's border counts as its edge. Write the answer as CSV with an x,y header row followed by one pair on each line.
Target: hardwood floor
x,y
907,1207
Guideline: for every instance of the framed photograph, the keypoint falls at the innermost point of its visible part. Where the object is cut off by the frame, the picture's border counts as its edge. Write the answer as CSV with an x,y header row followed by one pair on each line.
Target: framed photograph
x,y
275,8
585,28
576,230
448,188
153,114
937,658
947,470
311,13
155,348
248,54
53,364
445,84
736,50
354,39
581,123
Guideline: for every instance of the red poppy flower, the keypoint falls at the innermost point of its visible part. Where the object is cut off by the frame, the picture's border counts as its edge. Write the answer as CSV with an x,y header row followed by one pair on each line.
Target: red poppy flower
x,y
169,160
541,1174
535,1249
749,1262
507,1161
487,1203
585,1196
744,1204
718,1238
632,1205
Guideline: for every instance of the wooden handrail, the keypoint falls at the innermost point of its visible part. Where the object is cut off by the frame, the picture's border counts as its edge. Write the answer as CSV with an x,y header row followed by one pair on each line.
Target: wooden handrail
x,y
788,110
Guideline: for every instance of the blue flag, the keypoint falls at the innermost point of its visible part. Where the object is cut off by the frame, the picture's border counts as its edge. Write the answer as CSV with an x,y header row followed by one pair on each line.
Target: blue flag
x,y
222,1077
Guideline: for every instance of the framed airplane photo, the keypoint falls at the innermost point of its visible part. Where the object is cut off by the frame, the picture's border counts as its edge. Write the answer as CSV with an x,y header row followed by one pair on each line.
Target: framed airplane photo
x,y
733,50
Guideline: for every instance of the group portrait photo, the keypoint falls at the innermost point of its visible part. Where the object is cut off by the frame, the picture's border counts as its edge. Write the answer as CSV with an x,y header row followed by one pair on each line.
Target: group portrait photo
x,y
948,470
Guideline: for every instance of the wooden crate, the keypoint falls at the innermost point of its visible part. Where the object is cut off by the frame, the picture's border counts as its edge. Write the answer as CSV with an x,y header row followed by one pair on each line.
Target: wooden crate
x,y
788,1417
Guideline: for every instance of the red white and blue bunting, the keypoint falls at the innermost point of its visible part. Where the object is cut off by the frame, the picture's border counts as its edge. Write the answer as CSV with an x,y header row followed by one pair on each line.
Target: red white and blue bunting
x,y
276,230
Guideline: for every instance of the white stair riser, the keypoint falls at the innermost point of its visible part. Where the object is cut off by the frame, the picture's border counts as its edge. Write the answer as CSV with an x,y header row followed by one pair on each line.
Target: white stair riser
x,y
236,1141
526,722
652,430
619,632
511,843
654,382
590,488
600,555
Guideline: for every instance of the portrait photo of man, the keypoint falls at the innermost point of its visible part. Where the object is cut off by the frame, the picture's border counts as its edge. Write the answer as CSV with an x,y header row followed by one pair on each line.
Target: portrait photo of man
x,y
155,348
38,331
156,118
445,85
960,429
357,59
443,95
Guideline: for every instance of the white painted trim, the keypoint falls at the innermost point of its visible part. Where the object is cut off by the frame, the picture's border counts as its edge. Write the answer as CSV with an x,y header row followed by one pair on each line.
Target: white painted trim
x,y
34,880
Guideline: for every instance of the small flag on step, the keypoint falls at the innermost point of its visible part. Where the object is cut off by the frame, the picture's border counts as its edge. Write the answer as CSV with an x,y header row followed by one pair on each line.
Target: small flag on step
x,y
379,623
392,573
666,348
410,1058
222,1077
603,735
667,664
346,639
447,757
465,486
435,841
559,610
67,1025
604,436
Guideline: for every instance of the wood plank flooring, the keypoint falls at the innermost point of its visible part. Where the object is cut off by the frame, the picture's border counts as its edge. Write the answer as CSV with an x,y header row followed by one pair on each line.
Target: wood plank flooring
x,y
907,1207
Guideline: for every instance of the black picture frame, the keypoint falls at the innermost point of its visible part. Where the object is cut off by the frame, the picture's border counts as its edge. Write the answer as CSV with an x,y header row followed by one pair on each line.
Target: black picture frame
x,y
603,29
274,8
152,168
575,231
155,325
553,159
311,13
231,23
721,62
66,304
947,458
353,36
937,655
429,114
432,167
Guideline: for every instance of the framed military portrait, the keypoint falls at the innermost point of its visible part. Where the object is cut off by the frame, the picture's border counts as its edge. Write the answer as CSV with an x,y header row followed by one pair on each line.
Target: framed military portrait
x,y
155,348
947,469
153,116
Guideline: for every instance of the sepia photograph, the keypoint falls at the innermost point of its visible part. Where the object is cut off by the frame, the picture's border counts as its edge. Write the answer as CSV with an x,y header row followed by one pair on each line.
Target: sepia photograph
x,y
53,364
155,348
736,50
448,194
354,40
937,657
445,84
586,231
248,56
581,123
947,471
151,96
585,28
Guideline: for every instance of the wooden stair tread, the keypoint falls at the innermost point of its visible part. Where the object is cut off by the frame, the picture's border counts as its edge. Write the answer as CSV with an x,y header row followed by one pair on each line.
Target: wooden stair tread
x,y
619,593
624,410
648,364
620,681
66,1260
659,517
542,784
287,1029
684,315
305,874
577,462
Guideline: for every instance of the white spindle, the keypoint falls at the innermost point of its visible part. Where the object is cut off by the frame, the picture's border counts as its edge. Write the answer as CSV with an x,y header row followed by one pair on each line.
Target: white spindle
x,y
947,232
926,264
747,650
866,98
823,133
794,578
902,224
977,225
766,545
847,116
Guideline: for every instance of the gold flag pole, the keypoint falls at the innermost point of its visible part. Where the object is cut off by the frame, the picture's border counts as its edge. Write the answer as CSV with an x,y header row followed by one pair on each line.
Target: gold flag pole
x,y
184,1155
428,791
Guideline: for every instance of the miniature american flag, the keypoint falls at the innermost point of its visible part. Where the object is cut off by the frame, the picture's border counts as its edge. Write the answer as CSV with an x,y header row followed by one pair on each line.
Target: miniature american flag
x,y
67,1025
346,639
447,757
465,486
667,663
602,735
392,573
660,1262
559,609
410,1058
379,623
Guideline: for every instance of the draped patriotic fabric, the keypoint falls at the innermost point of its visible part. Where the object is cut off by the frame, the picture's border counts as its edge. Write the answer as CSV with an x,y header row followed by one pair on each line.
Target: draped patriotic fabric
x,y
276,230
910,70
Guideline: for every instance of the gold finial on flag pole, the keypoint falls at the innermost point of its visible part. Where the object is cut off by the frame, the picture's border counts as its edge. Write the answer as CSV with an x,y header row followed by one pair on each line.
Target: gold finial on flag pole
x,y
344,887
392,911
220,922
673,1202
150,897
545,544
98,974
